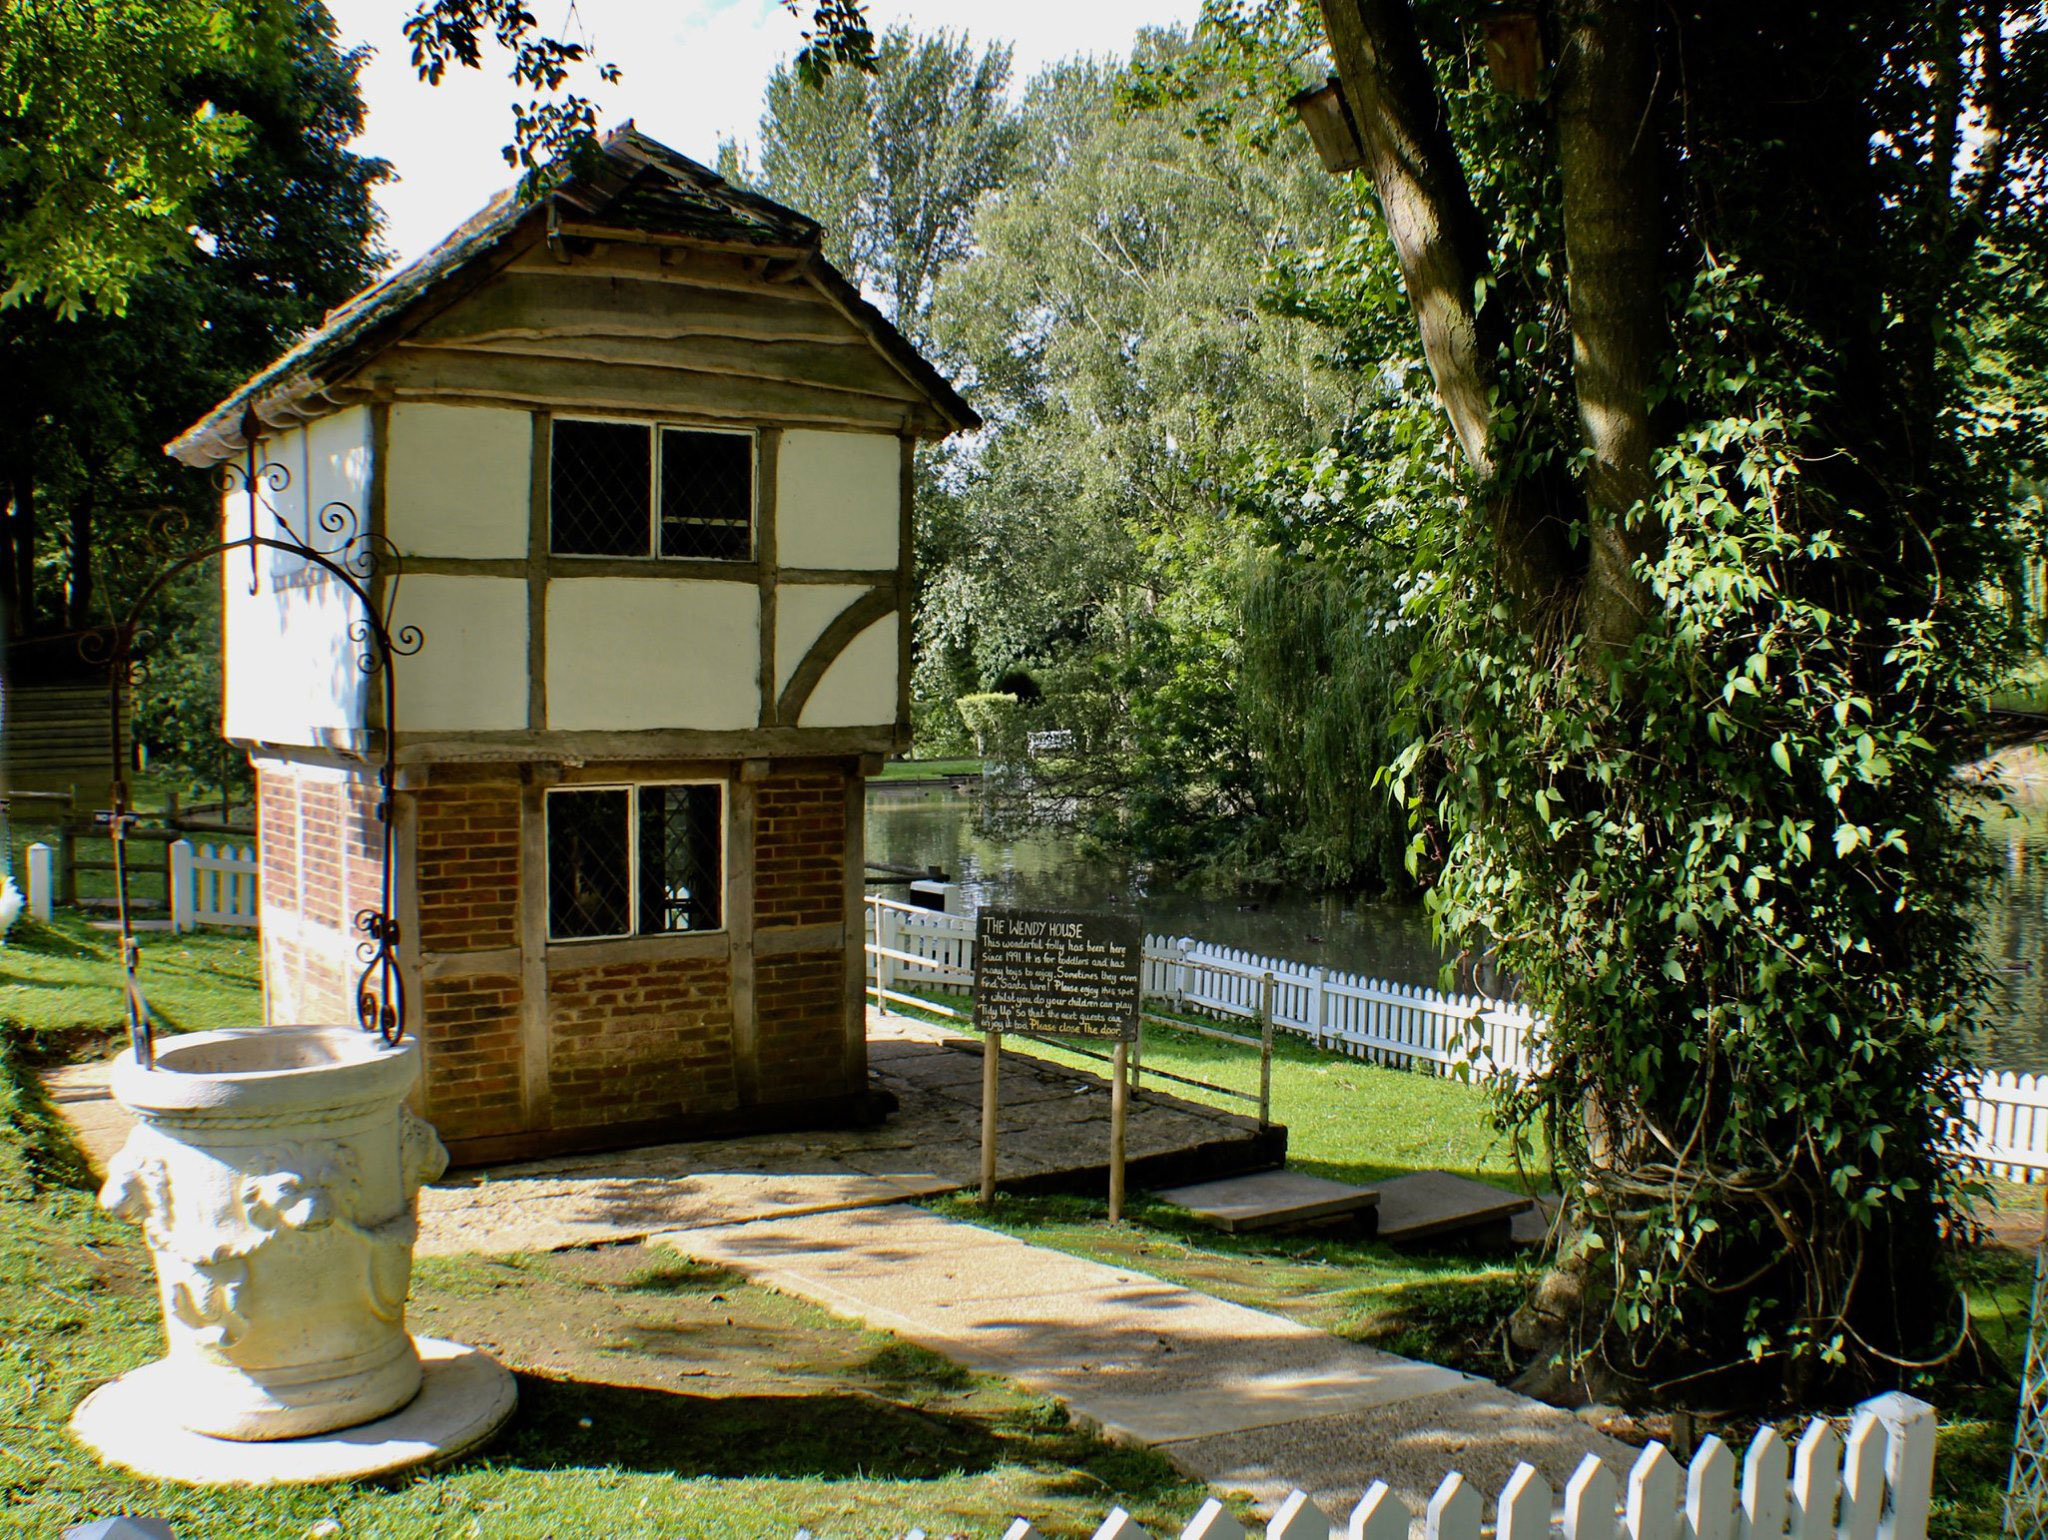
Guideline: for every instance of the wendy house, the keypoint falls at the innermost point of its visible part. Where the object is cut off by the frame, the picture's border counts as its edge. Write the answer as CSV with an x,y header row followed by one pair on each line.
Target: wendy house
x,y
631,463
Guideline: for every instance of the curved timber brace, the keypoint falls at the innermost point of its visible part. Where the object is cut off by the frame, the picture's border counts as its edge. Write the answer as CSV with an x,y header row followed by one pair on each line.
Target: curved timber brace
x,y
354,557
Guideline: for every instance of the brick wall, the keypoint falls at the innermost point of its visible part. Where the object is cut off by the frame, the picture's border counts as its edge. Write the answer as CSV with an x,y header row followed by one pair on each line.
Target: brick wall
x,y
800,847
468,866
322,855
277,825
634,1041
474,1069
800,1025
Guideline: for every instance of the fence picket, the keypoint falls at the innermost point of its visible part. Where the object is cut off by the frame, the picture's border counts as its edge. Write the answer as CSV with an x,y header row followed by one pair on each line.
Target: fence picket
x,y
1212,1521
1524,1506
1653,1495
1299,1518
1453,1512
1121,1526
1816,1481
1710,1492
1863,1479
1380,1515
1591,1501
1765,1497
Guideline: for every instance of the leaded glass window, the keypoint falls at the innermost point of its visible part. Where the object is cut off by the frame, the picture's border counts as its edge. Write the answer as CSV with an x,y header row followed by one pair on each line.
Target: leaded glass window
x,y
626,860
589,863
679,858
599,475
632,489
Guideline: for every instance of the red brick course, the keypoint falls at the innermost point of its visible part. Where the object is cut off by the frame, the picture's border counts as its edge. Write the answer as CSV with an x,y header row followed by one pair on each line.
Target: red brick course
x,y
800,1025
474,1069
631,1042
468,865
800,848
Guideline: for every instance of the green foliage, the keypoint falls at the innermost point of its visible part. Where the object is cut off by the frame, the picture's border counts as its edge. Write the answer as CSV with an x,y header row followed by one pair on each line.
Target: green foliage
x,y
996,725
105,144
1732,863
1123,326
891,159
289,234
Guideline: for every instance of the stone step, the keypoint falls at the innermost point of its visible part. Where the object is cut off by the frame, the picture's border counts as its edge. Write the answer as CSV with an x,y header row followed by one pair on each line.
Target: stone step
x,y
1272,1200
1435,1206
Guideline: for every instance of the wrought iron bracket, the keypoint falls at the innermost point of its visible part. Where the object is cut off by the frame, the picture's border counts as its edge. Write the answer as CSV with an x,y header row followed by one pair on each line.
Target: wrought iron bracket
x,y
335,543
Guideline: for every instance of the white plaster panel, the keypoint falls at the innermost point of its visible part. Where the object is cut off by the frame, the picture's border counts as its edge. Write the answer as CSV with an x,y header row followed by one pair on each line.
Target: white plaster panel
x,y
859,689
470,672
291,670
837,499
458,480
292,675
632,653
802,612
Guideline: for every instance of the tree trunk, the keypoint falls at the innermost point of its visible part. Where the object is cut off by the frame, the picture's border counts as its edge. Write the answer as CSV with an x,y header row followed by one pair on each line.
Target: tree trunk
x,y
78,587
1606,150
21,553
1440,244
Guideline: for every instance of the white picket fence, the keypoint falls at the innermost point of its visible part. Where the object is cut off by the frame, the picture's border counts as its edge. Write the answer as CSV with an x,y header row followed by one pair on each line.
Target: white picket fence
x,y
213,885
1876,1482
1406,1025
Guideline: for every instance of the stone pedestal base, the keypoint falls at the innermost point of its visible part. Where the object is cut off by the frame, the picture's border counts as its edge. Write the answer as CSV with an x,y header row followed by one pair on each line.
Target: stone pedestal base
x,y
465,1397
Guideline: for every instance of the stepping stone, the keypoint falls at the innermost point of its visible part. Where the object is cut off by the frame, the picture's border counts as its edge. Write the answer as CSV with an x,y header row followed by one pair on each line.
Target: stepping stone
x,y
1269,1200
1434,1205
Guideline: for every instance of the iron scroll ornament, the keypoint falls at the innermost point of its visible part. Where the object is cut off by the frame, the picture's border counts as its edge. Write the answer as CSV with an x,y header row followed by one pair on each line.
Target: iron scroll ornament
x,y
355,558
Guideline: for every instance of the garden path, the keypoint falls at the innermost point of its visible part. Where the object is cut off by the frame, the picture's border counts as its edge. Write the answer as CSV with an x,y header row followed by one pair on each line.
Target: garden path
x,y
1054,1131
1241,1399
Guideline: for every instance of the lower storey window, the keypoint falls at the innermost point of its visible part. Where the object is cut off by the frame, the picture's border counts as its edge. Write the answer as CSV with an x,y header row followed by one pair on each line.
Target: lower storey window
x,y
634,860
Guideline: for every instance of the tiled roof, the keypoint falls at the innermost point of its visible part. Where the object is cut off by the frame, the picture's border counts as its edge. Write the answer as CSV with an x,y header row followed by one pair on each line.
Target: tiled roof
x,y
637,184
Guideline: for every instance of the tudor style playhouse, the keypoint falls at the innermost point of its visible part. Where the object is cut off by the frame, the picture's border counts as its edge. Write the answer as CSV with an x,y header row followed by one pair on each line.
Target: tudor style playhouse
x,y
643,458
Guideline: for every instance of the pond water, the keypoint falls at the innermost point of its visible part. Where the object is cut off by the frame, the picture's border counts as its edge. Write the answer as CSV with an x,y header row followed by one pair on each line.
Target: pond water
x,y
933,826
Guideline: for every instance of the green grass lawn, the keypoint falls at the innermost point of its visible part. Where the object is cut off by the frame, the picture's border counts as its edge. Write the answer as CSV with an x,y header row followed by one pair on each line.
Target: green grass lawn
x,y
662,1398
925,769
62,980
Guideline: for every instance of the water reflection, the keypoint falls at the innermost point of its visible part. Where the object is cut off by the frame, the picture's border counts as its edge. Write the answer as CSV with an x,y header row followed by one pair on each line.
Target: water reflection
x,y
921,826
2016,1035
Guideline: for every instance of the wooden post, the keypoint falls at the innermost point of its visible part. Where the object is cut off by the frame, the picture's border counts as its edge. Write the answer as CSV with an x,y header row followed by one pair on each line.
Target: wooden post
x,y
991,1074
1266,1049
67,866
1138,1055
1119,1106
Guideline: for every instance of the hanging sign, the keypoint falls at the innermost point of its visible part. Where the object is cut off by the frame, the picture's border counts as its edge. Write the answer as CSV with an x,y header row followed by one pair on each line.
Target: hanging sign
x,y
1058,973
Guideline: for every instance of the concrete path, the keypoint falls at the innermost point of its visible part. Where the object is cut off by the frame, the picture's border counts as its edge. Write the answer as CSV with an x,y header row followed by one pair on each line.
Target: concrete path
x,y
1055,1128
1238,1398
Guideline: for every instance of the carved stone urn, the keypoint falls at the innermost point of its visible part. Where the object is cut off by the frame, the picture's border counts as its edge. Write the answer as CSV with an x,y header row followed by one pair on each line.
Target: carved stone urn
x,y
275,1173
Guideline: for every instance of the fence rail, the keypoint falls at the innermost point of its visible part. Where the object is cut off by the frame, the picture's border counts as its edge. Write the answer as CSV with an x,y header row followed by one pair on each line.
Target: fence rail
x,y
1878,1480
1405,1025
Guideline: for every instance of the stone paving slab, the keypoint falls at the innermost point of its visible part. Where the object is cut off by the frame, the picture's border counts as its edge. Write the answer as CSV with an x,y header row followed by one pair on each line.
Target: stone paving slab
x,y
1054,1129
1433,1204
1269,1200
1242,1399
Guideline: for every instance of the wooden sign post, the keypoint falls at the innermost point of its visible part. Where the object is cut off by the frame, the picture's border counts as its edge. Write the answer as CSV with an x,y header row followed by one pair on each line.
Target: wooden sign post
x,y
1062,975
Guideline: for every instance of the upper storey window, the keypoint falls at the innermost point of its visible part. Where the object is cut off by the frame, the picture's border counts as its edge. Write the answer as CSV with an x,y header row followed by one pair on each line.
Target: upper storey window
x,y
639,489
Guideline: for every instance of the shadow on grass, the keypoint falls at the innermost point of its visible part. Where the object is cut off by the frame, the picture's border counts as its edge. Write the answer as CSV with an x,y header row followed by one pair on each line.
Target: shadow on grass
x,y
1456,1321
576,1424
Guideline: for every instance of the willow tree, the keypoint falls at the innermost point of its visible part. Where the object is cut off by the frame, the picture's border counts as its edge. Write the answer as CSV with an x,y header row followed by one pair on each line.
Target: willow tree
x,y
1717,319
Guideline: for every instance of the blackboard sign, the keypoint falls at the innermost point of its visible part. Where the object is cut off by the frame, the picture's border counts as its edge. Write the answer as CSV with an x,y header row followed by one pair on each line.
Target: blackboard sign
x,y
1072,975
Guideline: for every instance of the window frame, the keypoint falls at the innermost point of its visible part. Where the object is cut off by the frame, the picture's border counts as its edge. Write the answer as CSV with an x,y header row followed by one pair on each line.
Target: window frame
x,y
655,427
632,790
